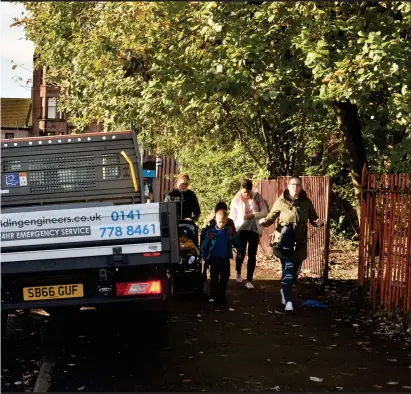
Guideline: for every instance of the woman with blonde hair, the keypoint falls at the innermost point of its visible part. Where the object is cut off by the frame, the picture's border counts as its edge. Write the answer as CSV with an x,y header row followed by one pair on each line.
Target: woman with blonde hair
x,y
187,202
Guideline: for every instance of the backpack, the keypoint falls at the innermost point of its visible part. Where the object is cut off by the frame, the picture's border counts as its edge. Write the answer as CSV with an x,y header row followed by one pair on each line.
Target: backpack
x,y
212,234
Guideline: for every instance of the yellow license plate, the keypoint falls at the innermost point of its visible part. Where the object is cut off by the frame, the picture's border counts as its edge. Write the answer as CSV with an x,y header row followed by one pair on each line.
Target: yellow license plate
x,y
53,292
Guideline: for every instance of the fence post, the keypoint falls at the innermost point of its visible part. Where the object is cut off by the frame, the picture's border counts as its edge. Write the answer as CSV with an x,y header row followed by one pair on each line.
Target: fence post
x,y
327,229
362,257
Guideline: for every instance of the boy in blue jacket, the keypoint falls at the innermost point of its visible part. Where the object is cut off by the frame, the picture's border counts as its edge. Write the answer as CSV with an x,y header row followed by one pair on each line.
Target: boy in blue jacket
x,y
217,251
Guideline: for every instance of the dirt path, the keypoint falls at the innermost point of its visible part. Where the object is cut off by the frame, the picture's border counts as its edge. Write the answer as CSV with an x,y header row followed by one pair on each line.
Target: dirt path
x,y
248,345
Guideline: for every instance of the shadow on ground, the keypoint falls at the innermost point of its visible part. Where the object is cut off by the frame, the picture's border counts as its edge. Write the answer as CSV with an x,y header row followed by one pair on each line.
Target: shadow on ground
x,y
250,344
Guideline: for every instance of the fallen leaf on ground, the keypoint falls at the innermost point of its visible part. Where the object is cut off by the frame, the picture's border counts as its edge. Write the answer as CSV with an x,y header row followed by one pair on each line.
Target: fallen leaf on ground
x,y
377,387
71,365
291,362
392,360
231,310
339,388
315,379
81,388
187,380
391,382
276,388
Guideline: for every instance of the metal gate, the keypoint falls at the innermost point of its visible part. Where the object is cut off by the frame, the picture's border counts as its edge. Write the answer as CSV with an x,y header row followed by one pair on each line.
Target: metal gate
x,y
318,189
385,243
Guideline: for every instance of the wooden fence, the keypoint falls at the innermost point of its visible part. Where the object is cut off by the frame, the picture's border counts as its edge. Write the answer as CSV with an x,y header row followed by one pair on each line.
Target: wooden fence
x,y
385,244
165,177
318,189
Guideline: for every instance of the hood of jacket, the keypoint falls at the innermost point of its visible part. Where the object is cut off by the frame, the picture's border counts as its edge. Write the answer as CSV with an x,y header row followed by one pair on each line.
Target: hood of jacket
x,y
286,196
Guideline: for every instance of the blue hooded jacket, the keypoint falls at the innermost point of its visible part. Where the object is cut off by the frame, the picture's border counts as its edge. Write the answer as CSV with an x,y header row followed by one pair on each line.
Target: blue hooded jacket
x,y
210,240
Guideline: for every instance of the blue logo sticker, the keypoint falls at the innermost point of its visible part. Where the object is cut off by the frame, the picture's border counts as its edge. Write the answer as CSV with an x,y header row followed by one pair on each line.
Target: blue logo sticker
x,y
12,180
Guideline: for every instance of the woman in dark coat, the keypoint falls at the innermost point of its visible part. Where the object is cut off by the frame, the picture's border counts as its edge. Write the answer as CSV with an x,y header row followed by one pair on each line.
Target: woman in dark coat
x,y
294,209
187,202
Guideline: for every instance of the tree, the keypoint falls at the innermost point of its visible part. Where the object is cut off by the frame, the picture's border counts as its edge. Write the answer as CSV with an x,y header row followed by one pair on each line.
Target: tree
x,y
285,80
359,55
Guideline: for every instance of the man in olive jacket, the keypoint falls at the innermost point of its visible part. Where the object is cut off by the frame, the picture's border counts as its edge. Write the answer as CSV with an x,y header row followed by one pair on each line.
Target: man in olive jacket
x,y
294,207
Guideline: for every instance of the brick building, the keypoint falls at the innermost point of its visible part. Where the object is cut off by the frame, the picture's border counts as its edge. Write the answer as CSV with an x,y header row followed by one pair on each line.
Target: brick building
x,y
47,120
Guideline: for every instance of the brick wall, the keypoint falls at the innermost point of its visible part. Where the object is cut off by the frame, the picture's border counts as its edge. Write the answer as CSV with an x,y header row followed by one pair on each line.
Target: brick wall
x,y
36,102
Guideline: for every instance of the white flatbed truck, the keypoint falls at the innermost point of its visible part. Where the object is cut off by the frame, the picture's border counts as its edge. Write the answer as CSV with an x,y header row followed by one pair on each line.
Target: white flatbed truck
x,y
75,229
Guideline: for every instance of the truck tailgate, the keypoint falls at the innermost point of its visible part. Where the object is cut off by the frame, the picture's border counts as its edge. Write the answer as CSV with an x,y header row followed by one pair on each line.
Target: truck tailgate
x,y
84,232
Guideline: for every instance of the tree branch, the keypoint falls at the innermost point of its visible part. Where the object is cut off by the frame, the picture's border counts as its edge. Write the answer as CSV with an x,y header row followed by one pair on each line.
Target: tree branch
x,y
240,136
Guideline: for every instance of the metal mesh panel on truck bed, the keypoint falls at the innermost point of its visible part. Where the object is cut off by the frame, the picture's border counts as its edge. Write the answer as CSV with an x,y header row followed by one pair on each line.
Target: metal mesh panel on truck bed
x,y
71,168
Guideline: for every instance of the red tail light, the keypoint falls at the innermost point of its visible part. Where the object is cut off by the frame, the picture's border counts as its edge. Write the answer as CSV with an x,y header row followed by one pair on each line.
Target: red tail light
x,y
136,288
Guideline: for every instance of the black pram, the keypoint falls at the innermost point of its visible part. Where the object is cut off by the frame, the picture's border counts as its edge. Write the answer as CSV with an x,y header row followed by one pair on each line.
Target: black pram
x,y
187,275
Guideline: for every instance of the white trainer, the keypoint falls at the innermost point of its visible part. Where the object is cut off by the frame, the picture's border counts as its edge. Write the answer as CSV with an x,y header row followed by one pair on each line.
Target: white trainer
x,y
289,306
249,285
282,297
238,278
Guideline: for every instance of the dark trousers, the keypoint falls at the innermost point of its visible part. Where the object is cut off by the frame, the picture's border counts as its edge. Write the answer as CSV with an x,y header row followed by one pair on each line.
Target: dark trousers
x,y
251,238
290,269
219,275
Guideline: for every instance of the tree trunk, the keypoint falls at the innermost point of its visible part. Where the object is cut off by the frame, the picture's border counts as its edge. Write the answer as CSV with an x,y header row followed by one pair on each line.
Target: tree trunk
x,y
349,122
